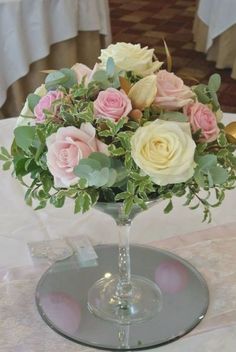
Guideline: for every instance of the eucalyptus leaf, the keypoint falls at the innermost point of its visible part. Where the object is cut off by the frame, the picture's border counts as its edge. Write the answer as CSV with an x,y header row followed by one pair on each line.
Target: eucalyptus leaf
x,y
116,82
99,178
100,76
210,179
214,82
121,176
71,78
82,171
110,67
24,136
174,116
105,84
54,79
214,101
219,175
206,162
112,178
201,92
103,159
92,163
33,100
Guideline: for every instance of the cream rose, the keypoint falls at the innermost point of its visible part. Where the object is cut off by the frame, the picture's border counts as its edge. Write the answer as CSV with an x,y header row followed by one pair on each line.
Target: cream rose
x,y
164,150
143,93
131,57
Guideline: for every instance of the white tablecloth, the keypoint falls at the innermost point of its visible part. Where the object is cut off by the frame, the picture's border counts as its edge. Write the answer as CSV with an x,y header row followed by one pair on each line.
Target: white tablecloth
x,y
218,15
29,27
212,251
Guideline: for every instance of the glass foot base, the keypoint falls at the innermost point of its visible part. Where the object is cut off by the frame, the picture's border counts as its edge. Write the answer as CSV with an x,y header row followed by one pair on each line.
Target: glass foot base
x,y
143,303
62,296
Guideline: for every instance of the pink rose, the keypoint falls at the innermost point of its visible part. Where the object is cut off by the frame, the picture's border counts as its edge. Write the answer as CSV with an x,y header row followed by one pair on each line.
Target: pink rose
x,y
112,104
67,147
201,117
84,72
45,103
172,93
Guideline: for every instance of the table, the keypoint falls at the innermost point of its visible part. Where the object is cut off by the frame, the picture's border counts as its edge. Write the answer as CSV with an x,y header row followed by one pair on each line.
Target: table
x,y
211,248
218,15
215,31
28,28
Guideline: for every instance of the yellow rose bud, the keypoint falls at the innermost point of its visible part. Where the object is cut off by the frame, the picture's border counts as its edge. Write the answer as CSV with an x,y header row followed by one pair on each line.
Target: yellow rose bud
x,y
143,93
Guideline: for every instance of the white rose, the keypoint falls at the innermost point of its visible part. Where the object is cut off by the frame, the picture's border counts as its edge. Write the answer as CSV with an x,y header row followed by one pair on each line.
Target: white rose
x,y
26,114
164,150
131,57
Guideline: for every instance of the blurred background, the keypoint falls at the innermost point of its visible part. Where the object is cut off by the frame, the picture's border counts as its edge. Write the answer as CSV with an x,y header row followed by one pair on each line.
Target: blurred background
x,y
37,35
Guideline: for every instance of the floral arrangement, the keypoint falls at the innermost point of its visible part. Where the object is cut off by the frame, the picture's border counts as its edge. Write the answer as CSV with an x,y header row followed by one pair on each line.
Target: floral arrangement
x,y
127,131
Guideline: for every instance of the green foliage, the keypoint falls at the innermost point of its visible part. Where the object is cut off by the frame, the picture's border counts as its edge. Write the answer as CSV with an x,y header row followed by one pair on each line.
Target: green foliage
x,y
206,94
100,170
214,82
222,140
173,116
169,207
33,100
24,136
64,77
4,154
109,77
208,173
85,199
115,178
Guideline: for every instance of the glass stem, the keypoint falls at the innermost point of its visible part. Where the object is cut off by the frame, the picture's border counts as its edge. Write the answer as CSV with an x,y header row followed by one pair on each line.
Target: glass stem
x,y
124,287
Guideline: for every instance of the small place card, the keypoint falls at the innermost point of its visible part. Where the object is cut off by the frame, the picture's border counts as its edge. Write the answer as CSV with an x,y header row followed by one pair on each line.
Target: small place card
x,y
84,248
50,250
60,249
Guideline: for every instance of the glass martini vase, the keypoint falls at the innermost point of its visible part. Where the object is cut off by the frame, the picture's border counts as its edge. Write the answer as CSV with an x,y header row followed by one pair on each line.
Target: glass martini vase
x,y
124,298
